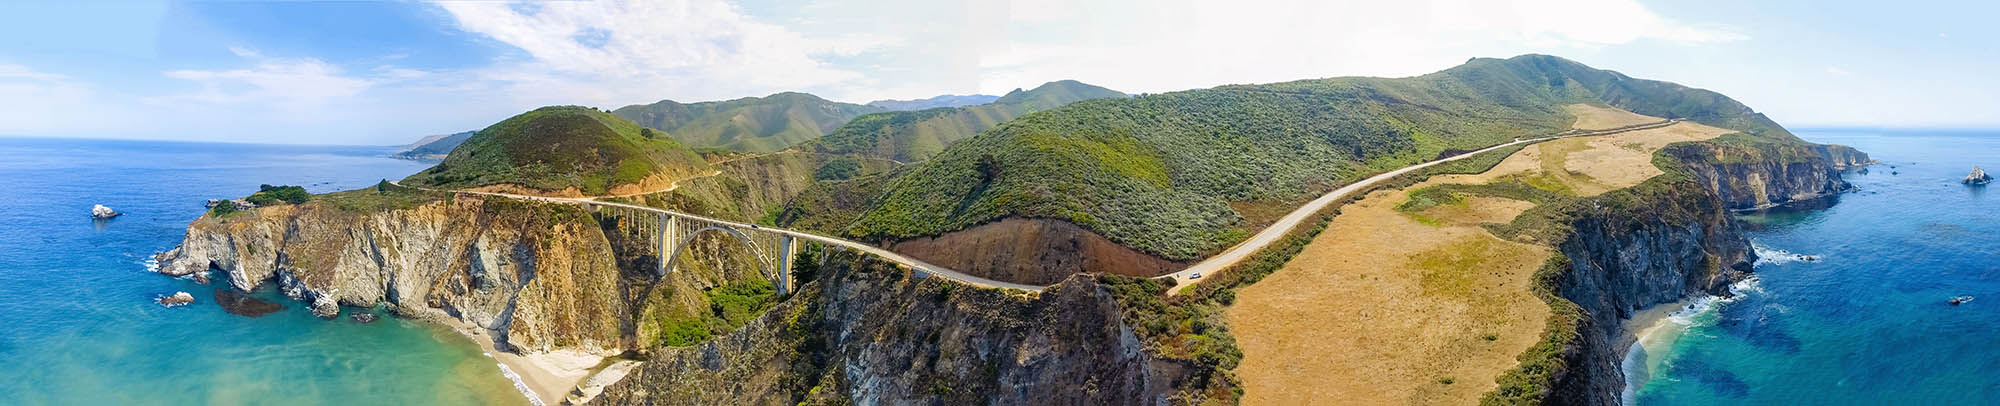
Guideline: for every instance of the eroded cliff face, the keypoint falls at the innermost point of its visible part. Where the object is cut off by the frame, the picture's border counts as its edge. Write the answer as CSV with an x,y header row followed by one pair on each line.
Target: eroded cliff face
x,y
539,276
1760,175
867,332
1669,239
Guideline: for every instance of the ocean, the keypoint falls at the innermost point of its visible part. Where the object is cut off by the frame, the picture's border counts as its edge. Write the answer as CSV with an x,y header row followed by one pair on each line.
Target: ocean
x,y
78,324
1849,306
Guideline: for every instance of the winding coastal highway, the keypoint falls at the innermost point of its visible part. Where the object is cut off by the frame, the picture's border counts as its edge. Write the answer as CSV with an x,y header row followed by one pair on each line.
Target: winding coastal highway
x,y
1283,226
1185,277
921,267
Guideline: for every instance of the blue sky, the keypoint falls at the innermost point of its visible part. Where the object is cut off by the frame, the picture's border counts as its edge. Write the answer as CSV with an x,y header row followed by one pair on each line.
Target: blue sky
x,y
389,72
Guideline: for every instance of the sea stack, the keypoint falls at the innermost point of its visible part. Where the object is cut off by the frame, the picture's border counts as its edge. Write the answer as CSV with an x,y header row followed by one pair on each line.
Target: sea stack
x,y
1978,177
101,212
177,299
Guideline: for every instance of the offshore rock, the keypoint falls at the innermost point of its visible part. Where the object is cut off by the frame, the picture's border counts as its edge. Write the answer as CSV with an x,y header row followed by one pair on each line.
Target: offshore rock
x,y
362,318
176,299
101,212
1978,177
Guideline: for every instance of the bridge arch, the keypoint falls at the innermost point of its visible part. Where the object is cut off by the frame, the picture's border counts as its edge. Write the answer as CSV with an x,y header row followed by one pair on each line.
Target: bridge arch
x,y
771,261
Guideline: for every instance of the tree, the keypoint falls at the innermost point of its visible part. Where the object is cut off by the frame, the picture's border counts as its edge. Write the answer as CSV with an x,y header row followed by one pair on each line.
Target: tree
x,y
646,132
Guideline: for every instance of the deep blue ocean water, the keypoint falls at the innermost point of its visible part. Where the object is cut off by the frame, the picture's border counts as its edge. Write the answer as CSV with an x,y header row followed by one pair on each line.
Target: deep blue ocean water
x,y
78,324
1867,323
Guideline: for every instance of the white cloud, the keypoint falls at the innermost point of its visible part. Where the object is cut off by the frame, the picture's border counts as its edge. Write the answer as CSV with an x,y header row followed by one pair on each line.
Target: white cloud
x,y
1838,72
33,102
295,84
615,52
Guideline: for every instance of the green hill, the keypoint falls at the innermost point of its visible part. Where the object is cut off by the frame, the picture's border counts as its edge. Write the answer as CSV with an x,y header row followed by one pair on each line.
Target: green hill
x,y
555,148
1166,173
908,136
750,124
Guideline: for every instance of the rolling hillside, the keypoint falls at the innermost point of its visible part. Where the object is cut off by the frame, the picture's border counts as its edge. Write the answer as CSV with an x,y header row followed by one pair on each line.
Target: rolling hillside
x,y
1179,175
569,149
434,147
750,124
908,136
935,102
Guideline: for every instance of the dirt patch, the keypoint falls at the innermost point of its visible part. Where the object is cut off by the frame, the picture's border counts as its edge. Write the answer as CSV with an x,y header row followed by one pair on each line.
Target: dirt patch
x,y
1032,251
1427,307
1382,309
1590,117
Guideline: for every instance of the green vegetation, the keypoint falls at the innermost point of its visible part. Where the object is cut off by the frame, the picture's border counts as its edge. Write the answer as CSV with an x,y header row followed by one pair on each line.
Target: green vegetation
x,y
1158,173
730,307
909,136
269,195
555,148
839,168
750,124
223,209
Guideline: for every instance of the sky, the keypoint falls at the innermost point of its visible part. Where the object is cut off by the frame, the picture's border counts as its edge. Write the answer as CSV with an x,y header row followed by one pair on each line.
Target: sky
x,y
388,72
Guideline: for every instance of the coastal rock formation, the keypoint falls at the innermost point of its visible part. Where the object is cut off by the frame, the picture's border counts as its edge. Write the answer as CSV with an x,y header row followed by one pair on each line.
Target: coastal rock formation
x,y
1978,177
539,276
362,318
176,299
1761,175
101,212
1665,240
867,332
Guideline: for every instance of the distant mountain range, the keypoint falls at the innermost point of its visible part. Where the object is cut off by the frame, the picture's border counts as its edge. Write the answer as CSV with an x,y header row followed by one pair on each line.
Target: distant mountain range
x,y
909,136
935,102
433,147
750,124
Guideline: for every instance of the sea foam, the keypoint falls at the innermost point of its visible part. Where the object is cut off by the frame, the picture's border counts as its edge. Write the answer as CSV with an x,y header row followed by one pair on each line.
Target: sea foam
x,y
1774,256
520,385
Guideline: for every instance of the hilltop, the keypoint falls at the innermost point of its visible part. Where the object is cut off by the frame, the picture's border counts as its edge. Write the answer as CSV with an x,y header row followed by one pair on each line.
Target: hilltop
x,y
907,136
935,102
564,150
1172,177
750,124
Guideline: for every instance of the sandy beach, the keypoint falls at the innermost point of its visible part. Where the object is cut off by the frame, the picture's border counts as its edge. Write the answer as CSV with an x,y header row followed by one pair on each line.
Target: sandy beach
x,y
551,376
1647,329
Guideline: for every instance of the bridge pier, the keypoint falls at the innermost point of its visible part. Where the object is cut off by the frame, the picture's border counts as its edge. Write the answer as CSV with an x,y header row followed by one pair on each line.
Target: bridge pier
x,y
786,244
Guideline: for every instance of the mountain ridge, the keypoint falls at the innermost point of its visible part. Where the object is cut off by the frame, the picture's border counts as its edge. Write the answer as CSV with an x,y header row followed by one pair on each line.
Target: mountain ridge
x,y
747,124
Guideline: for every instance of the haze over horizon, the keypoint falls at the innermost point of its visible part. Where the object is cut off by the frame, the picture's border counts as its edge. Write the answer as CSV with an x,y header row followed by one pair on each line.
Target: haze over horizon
x,y
390,72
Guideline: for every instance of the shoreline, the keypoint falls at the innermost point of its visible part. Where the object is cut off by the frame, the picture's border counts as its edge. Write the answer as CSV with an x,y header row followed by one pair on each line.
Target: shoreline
x,y
549,377
1643,326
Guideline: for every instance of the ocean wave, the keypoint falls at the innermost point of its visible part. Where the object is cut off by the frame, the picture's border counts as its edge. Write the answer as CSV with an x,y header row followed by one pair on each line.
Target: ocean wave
x,y
520,385
1774,256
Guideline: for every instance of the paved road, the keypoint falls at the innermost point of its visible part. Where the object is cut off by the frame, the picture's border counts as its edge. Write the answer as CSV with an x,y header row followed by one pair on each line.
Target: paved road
x,y
920,266
1284,226
1206,267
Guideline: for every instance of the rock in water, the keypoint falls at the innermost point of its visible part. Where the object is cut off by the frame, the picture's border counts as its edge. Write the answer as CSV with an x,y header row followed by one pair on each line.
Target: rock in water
x,y
101,212
177,299
362,318
1978,177
242,304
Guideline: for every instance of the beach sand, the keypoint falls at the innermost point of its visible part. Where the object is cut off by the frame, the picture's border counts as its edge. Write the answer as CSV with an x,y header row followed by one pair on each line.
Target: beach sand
x,y
1646,331
552,376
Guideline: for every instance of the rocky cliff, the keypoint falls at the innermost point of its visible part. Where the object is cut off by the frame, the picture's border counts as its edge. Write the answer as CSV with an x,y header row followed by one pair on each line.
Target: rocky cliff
x,y
1753,174
1670,238
867,332
539,276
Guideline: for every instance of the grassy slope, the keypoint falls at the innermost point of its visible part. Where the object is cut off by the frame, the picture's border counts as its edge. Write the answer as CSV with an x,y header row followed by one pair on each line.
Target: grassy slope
x,y
915,135
1157,173
554,148
750,124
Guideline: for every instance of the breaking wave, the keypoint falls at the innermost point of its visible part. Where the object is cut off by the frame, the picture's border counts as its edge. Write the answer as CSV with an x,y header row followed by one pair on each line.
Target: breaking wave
x,y
518,384
1774,256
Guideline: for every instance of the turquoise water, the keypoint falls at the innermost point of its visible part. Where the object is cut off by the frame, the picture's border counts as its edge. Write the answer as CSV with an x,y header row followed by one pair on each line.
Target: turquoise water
x,y
1867,323
77,320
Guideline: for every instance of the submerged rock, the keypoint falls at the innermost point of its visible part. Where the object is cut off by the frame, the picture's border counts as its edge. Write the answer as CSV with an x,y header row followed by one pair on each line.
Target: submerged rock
x,y
1978,177
242,304
176,299
101,212
362,318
